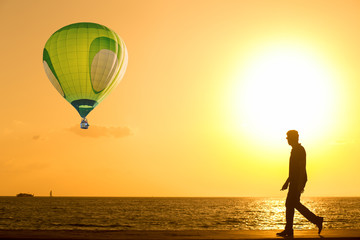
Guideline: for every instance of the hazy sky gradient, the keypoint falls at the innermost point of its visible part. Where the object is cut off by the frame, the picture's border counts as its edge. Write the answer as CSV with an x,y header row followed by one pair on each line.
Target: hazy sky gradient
x,y
172,126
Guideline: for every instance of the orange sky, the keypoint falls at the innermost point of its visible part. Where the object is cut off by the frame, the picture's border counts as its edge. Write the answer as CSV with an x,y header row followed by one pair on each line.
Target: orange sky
x,y
177,124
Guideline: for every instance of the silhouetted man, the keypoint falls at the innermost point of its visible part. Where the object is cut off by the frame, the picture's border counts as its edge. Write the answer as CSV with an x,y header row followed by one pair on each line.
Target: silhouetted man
x,y
297,180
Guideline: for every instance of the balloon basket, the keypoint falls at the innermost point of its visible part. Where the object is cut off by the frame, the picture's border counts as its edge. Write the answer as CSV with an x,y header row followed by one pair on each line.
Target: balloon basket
x,y
84,124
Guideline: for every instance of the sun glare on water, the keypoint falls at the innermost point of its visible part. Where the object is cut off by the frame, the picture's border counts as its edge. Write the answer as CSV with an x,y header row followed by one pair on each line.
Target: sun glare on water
x,y
284,88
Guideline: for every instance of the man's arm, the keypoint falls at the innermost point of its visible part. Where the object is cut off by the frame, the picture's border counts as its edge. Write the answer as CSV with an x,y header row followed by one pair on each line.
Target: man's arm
x,y
302,175
286,184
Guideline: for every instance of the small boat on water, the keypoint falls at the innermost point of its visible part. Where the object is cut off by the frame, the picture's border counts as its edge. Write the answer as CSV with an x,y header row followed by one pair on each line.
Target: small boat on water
x,y
24,195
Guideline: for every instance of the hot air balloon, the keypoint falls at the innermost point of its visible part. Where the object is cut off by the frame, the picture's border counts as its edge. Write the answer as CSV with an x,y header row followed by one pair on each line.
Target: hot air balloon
x,y
85,62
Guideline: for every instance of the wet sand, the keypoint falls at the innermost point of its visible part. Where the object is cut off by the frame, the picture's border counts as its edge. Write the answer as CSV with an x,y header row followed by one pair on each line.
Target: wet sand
x,y
160,235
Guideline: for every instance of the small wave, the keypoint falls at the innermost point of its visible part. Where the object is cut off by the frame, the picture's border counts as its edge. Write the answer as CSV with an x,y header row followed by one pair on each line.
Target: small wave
x,y
84,225
235,220
57,208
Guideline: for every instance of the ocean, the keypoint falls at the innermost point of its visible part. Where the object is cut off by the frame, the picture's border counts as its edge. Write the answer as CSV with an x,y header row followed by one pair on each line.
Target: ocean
x,y
107,213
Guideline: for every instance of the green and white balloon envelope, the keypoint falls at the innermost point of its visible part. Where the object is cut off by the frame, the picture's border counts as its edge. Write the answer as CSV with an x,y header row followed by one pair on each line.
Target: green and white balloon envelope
x,y
85,62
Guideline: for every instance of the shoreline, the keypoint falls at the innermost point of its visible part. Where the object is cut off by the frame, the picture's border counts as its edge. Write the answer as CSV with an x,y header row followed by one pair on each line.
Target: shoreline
x,y
173,234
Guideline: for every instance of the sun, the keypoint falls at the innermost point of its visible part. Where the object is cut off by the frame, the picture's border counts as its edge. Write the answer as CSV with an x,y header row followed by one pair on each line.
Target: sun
x,y
284,88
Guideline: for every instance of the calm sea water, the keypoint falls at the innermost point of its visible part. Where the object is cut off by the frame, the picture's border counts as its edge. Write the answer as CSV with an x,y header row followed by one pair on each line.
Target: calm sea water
x,y
81,213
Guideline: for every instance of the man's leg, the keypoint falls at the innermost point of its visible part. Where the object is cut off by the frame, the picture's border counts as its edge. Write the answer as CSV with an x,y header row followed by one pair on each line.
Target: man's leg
x,y
307,213
310,216
290,204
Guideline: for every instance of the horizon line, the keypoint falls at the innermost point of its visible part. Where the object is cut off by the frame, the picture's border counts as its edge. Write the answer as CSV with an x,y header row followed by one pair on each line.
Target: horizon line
x,y
334,196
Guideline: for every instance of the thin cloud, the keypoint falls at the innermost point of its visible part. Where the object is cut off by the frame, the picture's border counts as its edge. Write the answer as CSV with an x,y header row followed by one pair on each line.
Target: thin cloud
x,y
100,131
18,130
343,142
10,165
36,137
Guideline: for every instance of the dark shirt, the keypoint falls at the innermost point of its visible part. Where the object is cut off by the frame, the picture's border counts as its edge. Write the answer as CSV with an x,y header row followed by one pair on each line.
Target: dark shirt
x,y
297,168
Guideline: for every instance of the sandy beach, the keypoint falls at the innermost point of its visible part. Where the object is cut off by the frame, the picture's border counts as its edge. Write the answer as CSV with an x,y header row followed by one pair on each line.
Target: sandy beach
x,y
153,235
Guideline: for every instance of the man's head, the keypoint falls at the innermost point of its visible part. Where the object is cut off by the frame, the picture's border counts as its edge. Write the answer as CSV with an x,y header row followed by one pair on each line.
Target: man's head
x,y
292,137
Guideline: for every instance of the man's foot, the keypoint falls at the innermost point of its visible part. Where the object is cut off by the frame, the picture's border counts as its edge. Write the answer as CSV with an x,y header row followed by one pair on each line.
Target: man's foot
x,y
286,233
320,224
